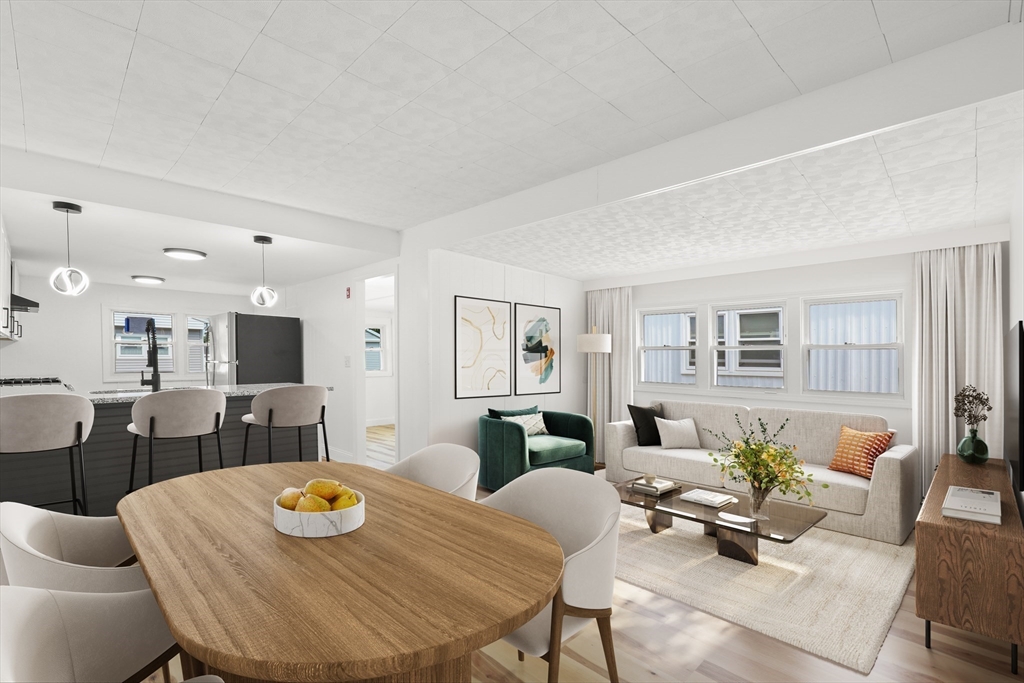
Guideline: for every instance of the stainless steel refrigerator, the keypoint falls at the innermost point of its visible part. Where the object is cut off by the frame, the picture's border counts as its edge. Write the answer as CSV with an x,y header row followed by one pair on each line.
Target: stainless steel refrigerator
x,y
253,349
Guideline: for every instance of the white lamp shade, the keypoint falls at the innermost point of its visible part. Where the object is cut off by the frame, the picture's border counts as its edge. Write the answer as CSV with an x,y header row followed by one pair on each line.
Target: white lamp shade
x,y
594,343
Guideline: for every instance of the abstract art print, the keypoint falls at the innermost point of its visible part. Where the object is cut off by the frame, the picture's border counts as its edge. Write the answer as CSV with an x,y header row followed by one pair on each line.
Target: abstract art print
x,y
538,340
483,347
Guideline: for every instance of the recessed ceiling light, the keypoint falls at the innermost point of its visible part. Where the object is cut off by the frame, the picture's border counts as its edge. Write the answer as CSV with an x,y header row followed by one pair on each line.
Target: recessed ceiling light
x,y
185,254
148,279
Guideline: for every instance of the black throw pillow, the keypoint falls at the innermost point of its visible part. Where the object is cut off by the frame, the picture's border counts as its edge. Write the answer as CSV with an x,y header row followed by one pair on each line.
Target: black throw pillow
x,y
645,425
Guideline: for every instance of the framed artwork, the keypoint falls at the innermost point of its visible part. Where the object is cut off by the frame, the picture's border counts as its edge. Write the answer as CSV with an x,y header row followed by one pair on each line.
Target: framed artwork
x,y
538,347
483,347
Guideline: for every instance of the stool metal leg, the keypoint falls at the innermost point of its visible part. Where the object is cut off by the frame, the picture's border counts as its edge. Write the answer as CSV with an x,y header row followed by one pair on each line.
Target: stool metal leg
x,y
74,490
152,424
131,477
220,452
81,466
245,444
270,435
299,431
323,425
927,633
199,441
1013,658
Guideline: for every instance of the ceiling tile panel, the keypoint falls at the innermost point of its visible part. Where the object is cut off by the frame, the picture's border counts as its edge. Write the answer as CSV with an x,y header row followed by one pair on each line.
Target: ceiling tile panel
x,y
636,15
394,66
764,16
621,68
218,142
509,14
832,27
124,13
41,99
419,123
657,101
852,163
322,31
932,153
457,98
447,31
959,21
145,93
253,14
69,29
207,177
689,120
630,142
1000,109
378,13
467,145
83,139
131,161
557,147
331,124
895,13
570,32
508,69
265,100
1002,138
818,68
197,31
147,145
696,32
176,69
43,63
559,99
512,162
598,124
942,126
276,64
361,101
508,123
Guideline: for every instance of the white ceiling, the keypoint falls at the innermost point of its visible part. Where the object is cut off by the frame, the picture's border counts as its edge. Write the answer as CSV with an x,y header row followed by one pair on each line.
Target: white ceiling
x,y
396,112
951,171
113,243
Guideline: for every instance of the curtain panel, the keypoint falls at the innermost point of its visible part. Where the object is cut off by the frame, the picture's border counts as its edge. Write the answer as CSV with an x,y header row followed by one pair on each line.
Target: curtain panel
x,y
958,293
611,373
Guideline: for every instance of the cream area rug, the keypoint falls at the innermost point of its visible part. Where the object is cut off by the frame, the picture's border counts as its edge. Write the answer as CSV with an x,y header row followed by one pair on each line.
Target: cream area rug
x,y
831,594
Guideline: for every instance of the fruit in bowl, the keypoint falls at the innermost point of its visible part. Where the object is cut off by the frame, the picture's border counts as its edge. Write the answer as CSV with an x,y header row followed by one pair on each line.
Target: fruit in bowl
x,y
318,495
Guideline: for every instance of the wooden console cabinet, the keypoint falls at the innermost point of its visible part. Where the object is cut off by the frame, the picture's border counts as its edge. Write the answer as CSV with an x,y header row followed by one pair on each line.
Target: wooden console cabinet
x,y
970,575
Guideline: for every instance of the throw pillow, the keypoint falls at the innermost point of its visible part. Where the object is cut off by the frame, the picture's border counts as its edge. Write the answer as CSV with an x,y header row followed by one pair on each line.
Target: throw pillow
x,y
534,423
498,414
677,433
857,451
646,427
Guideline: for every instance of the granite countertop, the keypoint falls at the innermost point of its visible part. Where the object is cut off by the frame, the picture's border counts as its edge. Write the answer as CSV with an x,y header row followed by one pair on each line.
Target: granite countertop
x,y
125,395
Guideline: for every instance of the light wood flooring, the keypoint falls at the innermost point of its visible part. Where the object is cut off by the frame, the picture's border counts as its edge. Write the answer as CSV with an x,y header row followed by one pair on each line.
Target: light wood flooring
x,y
380,443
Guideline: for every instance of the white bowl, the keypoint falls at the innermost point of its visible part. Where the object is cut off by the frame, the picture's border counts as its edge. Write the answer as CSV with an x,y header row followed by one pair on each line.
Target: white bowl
x,y
319,524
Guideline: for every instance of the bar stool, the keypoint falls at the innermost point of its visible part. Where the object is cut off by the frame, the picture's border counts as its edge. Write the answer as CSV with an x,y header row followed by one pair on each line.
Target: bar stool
x,y
32,423
177,414
297,406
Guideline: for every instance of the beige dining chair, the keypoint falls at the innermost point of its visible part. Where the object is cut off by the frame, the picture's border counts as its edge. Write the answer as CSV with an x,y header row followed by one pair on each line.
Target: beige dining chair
x,y
46,549
68,637
582,513
177,414
447,467
33,423
298,406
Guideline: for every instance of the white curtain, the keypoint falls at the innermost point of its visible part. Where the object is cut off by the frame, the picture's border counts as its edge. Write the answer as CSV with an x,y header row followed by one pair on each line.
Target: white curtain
x,y
611,373
960,341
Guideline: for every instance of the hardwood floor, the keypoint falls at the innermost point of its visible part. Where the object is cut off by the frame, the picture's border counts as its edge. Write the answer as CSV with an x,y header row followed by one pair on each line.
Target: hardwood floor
x,y
380,443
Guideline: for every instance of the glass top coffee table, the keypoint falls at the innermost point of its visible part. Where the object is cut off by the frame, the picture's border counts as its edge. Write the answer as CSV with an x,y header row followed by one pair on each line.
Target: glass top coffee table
x,y
731,524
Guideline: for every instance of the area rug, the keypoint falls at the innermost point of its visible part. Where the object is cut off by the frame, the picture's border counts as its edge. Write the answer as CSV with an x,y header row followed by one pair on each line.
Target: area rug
x,y
831,594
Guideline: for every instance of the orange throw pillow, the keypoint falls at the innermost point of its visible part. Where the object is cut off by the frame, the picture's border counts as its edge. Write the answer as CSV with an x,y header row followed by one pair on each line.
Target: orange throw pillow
x,y
857,451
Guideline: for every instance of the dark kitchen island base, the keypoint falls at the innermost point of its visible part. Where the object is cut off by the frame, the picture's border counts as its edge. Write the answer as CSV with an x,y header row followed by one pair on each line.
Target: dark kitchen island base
x,y
34,478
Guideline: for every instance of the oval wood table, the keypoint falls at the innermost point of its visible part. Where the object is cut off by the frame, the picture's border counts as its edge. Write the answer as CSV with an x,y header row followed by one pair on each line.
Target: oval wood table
x,y
428,579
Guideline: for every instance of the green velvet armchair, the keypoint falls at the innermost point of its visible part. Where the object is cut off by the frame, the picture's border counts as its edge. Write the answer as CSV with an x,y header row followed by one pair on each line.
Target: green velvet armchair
x,y
506,452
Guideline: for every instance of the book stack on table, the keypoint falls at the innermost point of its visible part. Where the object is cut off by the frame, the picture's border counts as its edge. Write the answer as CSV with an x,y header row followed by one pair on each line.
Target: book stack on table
x,y
657,488
977,505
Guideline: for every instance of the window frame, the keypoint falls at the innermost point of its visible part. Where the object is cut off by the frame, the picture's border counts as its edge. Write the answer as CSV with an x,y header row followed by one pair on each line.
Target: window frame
x,y
640,348
806,346
714,310
386,347
179,346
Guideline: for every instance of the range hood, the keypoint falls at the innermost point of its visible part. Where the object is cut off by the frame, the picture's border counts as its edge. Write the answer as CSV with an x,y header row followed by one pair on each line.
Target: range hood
x,y
20,304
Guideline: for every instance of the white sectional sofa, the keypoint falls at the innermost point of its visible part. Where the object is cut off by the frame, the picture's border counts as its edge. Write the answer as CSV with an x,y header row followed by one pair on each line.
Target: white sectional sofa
x,y
883,508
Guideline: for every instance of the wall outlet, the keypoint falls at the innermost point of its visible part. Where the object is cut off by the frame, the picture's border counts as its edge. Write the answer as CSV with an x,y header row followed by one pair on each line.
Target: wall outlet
x,y
348,361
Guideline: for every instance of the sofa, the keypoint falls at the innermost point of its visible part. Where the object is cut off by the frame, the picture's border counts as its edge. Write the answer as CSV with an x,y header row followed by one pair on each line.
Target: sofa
x,y
506,452
882,508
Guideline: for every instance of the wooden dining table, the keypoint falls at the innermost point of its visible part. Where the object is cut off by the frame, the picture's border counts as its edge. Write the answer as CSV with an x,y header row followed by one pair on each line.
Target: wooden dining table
x,y
427,580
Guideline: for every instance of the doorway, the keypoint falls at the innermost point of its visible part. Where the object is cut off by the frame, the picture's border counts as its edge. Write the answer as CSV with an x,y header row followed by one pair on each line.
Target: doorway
x,y
381,370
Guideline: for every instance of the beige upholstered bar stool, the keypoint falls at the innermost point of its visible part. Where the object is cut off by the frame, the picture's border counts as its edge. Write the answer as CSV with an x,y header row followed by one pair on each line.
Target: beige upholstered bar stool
x,y
297,406
34,423
177,414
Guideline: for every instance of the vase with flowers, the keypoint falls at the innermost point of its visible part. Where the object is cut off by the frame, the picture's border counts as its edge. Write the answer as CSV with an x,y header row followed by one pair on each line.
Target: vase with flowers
x,y
972,406
764,463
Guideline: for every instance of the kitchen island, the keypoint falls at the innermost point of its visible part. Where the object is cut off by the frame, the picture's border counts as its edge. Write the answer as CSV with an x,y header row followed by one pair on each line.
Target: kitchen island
x,y
33,478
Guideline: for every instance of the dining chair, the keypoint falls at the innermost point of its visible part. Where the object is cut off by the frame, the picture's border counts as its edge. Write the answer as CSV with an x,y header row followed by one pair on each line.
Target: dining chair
x,y
33,423
582,513
46,549
62,636
447,467
296,406
177,414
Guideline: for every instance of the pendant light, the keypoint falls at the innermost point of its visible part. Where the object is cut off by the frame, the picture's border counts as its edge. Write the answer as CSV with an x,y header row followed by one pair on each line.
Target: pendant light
x,y
69,281
263,296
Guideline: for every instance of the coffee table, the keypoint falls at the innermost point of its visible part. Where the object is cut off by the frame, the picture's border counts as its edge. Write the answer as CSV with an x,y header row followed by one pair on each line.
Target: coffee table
x,y
731,524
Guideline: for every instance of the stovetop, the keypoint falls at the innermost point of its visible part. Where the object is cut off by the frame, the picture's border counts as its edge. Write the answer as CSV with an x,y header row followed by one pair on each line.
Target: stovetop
x,y
28,381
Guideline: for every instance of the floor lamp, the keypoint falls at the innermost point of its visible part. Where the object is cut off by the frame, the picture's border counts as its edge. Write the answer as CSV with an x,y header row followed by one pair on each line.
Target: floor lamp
x,y
593,344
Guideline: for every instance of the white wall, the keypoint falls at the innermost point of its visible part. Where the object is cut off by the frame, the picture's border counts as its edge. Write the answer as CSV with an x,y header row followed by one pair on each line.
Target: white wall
x,y
65,338
451,274
790,285
1016,248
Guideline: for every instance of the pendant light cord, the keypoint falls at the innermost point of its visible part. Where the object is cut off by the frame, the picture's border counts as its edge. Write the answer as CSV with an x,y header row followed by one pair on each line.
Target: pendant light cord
x,y
263,251
67,234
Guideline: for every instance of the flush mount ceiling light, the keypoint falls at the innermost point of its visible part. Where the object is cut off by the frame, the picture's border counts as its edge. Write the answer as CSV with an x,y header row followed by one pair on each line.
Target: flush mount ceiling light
x,y
69,281
263,296
185,254
148,279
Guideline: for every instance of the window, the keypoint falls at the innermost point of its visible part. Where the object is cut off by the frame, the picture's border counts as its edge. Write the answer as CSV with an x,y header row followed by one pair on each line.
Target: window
x,y
749,347
373,349
377,347
853,345
198,340
130,348
668,347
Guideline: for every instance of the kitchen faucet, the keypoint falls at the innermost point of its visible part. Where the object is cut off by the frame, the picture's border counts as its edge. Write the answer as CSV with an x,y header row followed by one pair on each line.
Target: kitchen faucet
x,y
152,360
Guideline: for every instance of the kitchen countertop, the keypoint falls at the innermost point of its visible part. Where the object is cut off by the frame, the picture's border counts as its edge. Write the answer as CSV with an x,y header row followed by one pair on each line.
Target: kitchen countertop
x,y
126,395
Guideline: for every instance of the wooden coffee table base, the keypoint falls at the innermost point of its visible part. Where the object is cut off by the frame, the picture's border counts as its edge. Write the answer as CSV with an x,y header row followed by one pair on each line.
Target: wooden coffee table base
x,y
457,670
735,545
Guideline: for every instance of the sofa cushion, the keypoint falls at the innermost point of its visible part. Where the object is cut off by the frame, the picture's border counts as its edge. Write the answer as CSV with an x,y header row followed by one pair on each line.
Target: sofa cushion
x,y
645,425
547,448
857,451
680,464
677,433
845,492
534,423
708,416
815,433
497,413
